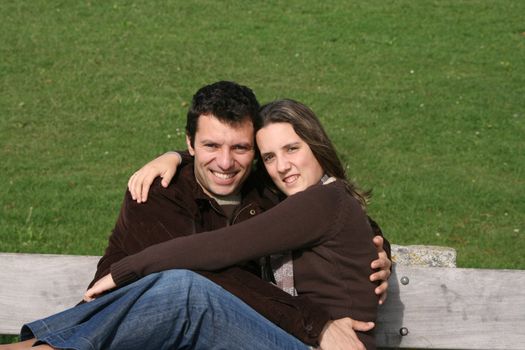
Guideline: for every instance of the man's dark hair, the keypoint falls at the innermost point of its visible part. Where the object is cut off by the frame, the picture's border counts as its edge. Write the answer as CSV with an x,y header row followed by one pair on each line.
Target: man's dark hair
x,y
228,101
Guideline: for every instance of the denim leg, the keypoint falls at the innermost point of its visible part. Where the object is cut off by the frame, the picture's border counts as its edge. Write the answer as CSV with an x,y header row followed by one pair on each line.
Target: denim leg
x,y
174,309
91,325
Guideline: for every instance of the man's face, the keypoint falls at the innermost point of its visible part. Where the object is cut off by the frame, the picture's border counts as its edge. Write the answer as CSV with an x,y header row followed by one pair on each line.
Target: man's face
x,y
223,155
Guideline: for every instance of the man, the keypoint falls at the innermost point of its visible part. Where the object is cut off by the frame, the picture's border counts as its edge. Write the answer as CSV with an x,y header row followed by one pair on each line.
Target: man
x,y
215,190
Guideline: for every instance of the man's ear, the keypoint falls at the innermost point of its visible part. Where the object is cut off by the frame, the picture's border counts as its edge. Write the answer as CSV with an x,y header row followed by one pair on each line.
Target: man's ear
x,y
190,148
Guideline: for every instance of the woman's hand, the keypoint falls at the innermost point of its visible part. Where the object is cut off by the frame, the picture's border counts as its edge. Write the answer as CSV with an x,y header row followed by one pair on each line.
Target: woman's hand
x,y
103,285
164,166
383,264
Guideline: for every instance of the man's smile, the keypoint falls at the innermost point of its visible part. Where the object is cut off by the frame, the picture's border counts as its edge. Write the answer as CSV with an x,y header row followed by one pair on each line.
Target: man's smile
x,y
224,176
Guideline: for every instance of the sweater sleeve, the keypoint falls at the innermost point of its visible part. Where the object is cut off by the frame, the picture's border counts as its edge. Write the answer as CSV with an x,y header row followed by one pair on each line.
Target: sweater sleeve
x,y
303,220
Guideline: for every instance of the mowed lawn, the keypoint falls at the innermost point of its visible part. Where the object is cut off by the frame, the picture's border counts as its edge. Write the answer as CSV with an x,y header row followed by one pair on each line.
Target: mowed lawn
x,y
425,101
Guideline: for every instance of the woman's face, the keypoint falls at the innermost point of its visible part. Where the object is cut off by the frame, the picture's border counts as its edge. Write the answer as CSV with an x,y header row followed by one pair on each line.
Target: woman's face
x,y
288,159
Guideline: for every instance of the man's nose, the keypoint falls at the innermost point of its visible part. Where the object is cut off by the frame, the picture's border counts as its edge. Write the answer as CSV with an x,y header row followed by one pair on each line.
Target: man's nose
x,y
225,159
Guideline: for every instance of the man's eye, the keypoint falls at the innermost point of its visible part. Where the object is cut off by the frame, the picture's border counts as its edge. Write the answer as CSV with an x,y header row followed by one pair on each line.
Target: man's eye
x,y
241,149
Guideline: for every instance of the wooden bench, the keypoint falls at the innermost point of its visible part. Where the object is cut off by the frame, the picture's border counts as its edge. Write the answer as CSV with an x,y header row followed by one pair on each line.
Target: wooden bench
x,y
427,307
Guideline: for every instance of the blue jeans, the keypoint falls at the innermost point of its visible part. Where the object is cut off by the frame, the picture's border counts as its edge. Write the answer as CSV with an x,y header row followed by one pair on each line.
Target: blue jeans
x,y
175,309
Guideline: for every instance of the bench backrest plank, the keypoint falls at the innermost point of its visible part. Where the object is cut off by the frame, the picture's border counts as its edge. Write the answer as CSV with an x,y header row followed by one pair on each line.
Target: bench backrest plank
x,y
33,286
454,308
442,308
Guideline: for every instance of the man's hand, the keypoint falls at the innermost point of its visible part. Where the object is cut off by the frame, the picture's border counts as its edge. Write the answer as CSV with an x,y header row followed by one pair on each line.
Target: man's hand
x,y
164,166
340,334
102,285
383,264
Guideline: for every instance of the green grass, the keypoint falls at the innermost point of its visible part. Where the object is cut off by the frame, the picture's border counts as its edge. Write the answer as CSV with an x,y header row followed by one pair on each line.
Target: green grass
x,y
425,101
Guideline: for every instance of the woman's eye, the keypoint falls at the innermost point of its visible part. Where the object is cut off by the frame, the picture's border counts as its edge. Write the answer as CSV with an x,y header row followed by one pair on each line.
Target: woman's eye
x,y
267,159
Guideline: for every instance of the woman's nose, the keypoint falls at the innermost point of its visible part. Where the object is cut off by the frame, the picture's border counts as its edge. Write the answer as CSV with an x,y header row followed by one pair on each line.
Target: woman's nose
x,y
283,165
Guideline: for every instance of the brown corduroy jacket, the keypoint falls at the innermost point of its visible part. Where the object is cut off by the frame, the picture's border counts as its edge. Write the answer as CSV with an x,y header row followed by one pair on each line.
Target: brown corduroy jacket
x,y
325,227
184,209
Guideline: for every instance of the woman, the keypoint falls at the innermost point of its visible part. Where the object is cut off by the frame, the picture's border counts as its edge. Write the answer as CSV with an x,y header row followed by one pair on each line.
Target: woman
x,y
322,223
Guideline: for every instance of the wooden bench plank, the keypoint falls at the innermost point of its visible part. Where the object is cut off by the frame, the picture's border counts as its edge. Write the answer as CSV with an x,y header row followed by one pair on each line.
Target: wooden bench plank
x,y
453,308
443,308
37,285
